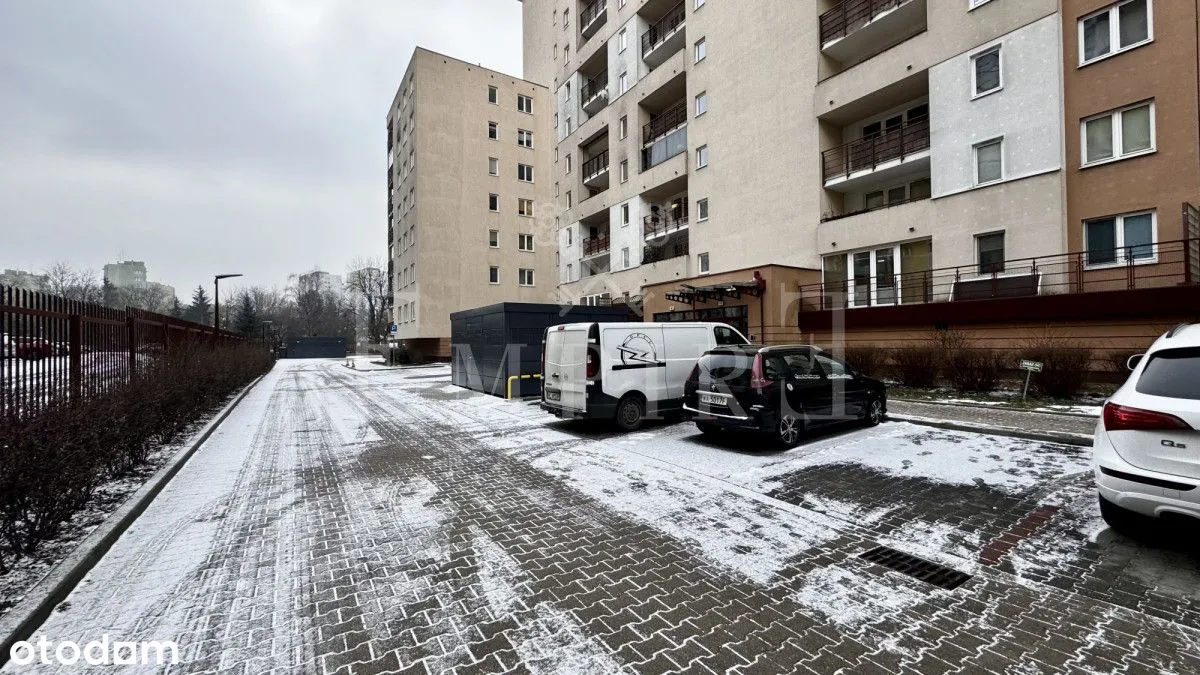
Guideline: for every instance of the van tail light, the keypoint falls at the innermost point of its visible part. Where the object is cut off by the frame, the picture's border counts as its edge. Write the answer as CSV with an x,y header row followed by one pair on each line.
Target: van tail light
x,y
543,371
1125,418
593,364
757,380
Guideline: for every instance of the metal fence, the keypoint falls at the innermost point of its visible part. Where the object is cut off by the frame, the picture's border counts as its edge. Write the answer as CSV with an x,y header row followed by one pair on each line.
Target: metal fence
x,y
54,348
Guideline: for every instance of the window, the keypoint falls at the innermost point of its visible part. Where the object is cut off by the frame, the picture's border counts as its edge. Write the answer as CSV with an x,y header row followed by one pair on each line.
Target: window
x,y
524,138
701,50
525,207
525,103
556,155
570,236
494,238
624,170
493,166
493,95
702,157
990,249
702,209
493,131
526,276
622,41
570,271
556,259
569,203
623,127
556,192
624,215
701,103
1121,133
699,4
493,275
1114,29
985,72
989,161
972,4
524,242
493,202
569,162
702,259
566,19
1174,373
625,258
622,83
1119,239
570,128
525,173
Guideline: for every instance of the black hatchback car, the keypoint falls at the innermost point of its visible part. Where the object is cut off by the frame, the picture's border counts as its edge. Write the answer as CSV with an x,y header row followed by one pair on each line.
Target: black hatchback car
x,y
781,391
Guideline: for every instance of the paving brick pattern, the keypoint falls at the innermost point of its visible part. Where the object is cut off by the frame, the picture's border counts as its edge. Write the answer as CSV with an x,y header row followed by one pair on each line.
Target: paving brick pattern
x,y
995,416
361,529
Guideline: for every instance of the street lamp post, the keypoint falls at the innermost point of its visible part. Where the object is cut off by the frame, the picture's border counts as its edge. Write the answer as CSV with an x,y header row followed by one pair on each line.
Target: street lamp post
x,y
217,302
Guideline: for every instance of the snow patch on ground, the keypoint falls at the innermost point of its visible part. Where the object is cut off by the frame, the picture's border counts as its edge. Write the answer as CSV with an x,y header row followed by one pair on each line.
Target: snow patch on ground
x,y
852,598
1093,410
937,542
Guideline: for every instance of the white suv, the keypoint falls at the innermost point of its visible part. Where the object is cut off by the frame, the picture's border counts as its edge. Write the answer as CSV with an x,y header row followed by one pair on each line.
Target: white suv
x,y
1147,444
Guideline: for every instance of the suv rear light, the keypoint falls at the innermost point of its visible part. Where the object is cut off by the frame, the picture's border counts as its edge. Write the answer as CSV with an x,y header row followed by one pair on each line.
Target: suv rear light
x,y
1125,418
593,363
694,376
757,380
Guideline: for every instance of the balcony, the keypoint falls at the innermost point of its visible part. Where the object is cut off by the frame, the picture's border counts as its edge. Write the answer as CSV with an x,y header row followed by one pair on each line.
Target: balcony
x,y
593,16
595,171
659,224
594,93
877,159
652,253
857,29
665,136
594,247
664,37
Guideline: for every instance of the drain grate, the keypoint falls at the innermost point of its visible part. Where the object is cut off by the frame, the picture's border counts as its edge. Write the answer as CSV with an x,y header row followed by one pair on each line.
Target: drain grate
x,y
918,568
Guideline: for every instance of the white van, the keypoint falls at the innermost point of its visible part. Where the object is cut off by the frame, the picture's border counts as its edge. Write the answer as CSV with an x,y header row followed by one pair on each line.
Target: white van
x,y
624,371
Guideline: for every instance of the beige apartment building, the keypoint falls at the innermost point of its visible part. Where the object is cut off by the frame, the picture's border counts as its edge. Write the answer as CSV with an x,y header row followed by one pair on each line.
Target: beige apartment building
x,y
470,219
869,150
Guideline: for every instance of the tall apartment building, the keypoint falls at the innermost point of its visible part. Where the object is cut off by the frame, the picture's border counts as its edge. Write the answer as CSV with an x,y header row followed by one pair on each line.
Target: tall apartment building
x,y
469,210
726,160
125,274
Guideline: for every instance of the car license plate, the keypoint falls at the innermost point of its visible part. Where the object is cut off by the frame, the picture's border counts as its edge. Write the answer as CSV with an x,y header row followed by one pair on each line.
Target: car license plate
x,y
553,395
712,399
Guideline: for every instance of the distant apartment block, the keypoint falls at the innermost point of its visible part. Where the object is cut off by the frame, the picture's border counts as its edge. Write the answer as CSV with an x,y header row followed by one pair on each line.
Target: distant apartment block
x,y
125,274
470,218
856,150
22,279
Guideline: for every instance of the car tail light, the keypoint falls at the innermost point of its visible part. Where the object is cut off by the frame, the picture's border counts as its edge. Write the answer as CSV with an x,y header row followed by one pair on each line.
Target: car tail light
x,y
695,374
757,379
543,371
1125,418
593,364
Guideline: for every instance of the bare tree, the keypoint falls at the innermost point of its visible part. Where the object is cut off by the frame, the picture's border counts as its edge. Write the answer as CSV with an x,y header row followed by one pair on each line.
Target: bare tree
x,y
65,281
368,284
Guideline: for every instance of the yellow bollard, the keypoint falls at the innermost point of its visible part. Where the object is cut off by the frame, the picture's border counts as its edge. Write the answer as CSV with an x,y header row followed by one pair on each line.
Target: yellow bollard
x,y
535,376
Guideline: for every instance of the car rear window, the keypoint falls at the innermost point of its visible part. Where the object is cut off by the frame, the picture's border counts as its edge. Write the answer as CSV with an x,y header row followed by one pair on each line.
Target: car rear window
x,y
727,366
1172,372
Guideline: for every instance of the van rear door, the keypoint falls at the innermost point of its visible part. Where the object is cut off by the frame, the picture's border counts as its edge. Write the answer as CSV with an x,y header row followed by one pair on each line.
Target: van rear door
x,y
564,380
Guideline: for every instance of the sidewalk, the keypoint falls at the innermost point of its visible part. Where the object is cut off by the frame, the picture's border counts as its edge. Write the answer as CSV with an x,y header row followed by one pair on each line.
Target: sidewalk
x,y
1053,427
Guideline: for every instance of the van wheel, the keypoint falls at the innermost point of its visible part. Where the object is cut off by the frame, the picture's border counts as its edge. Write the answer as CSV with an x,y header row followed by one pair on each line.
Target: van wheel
x,y
631,412
788,430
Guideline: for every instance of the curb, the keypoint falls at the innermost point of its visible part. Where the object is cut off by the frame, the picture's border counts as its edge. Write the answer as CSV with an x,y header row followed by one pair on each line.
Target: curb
x,y
998,407
1062,437
20,622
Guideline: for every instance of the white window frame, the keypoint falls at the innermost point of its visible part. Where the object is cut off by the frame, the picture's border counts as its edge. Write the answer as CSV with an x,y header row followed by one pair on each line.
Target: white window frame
x,y
622,40
623,127
972,4
701,103
622,83
1114,31
522,274
493,238
1118,134
1119,225
623,170
493,95
493,166
526,169
625,257
570,202
1004,249
701,50
521,239
521,203
529,99
702,156
625,214
494,198
998,50
526,136
493,131
702,263
975,156
702,209
494,270
699,4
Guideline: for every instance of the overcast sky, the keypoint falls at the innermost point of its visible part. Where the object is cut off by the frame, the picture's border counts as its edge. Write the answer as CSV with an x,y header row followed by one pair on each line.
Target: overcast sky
x,y
206,136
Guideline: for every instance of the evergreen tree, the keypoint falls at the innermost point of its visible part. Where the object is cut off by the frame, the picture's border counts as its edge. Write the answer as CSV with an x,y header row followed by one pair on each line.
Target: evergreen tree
x,y
200,311
247,318
177,309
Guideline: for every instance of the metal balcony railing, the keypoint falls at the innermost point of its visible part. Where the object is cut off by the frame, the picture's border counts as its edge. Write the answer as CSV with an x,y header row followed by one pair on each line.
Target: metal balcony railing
x,y
657,33
594,86
589,14
595,245
664,222
1154,265
595,165
852,15
652,254
866,154
664,122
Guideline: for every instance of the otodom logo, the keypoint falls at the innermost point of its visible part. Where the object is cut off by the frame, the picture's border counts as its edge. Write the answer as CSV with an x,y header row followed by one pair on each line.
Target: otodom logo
x,y
95,653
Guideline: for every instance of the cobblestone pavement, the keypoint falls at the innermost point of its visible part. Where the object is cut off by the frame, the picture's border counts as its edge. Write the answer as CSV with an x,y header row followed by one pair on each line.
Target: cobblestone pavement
x,y
995,416
348,521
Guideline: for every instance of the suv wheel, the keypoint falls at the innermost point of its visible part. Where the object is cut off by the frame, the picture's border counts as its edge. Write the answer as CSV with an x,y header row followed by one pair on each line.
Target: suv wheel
x,y
630,413
874,412
788,430
1121,520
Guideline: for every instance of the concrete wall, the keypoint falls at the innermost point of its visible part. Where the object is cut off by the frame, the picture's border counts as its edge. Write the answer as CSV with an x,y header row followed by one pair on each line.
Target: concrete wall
x,y
1024,112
